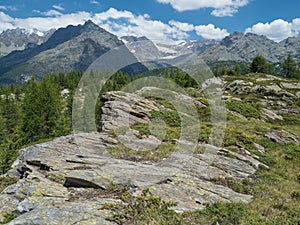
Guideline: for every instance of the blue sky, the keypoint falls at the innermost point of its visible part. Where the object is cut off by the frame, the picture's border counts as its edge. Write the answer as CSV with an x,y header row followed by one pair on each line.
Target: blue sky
x,y
159,20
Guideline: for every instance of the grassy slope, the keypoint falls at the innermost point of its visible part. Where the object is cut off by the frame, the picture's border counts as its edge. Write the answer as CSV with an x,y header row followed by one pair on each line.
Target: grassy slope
x,y
276,191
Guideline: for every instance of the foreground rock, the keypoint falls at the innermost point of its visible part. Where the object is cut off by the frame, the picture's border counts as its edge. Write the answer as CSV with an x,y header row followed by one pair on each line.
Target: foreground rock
x,y
52,171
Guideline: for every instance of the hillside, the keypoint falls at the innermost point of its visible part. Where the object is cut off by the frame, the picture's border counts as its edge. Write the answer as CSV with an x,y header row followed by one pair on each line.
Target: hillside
x,y
114,176
70,48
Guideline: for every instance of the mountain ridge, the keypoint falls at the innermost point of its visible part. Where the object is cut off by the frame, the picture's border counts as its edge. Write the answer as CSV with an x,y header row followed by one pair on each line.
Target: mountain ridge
x,y
76,47
70,48
20,39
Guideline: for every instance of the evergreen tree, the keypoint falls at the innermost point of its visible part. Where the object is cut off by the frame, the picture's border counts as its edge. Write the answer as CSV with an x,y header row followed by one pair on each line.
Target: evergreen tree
x,y
224,70
10,140
259,65
289,67
237,69
43,111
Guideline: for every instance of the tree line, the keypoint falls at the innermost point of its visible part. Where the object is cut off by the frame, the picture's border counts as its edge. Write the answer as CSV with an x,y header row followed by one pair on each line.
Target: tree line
x,y
34,112
288,68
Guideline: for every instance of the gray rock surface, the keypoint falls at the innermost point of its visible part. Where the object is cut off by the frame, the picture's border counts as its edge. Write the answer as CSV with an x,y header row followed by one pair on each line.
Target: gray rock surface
x,y
283,137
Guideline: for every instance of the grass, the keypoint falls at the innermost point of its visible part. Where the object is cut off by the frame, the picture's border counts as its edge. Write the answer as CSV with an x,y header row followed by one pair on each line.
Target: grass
x,y
164,150
245,109
7,218
144,209
170,117
142,128
6,181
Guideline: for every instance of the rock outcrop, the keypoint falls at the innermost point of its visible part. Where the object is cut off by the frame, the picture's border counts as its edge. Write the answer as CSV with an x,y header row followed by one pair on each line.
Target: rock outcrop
x,y
53,172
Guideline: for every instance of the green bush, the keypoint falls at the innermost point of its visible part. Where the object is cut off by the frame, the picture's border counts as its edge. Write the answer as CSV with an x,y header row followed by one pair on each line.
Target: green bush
x,y
7,218
244,108
170,117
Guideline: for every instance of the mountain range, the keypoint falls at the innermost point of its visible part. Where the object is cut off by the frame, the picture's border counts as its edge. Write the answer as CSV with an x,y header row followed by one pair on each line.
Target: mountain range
x,y
75,47
20,39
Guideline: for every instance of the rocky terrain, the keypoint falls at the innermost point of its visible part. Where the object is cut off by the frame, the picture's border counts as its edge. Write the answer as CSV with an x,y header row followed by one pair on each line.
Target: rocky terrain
x,y
69,180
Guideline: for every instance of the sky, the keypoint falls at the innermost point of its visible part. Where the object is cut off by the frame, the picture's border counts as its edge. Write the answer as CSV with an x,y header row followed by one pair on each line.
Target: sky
x,y
159,20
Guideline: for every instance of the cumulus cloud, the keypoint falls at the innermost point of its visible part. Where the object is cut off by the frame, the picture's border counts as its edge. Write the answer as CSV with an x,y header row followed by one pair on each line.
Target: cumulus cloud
x,y
182,26
5,22
211,32
277,30
121,23
296,25
42,24
221,7
138,25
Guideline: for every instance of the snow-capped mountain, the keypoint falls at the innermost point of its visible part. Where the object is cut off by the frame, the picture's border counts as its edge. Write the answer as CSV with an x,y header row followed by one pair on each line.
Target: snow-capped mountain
x,y
19,39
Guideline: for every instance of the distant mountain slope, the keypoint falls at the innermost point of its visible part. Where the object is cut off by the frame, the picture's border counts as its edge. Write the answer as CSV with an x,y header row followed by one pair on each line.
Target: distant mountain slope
x,y
240,47
19,39
70,48
198,46
291,46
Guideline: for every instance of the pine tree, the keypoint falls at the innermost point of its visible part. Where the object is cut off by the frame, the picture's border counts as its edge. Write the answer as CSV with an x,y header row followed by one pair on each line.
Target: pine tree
x,y
10,140
43,111
289,67
237,69
259,65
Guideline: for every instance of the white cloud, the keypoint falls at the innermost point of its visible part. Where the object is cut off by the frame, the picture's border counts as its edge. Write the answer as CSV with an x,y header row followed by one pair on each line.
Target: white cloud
x,y
5,22
221,7
94,2
121,23
277,30
211,32
12,8
182,26
58,7
51,12
227,11
138,25
42,24
296,25
112,13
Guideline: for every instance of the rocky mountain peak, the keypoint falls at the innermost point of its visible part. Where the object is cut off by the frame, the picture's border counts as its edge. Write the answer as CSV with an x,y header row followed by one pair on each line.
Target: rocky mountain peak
x,y
19,38
76,47
91,26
